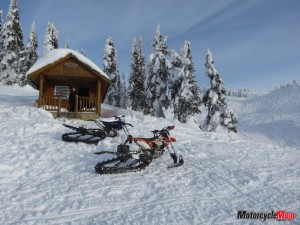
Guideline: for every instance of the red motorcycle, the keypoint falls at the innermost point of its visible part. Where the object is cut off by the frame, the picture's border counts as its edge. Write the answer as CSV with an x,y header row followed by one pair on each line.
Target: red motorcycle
x,y
127,160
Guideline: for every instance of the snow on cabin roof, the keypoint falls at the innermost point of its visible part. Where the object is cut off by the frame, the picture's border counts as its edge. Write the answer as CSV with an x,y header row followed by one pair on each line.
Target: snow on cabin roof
x,y
54,55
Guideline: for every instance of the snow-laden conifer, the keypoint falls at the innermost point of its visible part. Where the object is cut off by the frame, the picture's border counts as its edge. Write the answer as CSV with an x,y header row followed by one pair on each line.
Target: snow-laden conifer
x,y
184,89
110,67
12,47
1,36
176,75
51,37
67,45
219,113
30,55
157,77
136,88
123,94
83,52
31,48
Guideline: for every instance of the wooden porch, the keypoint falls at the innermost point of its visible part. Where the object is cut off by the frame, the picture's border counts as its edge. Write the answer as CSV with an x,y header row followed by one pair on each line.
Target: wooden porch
x,y
85,107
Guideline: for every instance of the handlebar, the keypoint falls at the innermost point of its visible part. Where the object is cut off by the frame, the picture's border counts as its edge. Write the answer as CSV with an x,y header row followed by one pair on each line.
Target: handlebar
x,y
168,128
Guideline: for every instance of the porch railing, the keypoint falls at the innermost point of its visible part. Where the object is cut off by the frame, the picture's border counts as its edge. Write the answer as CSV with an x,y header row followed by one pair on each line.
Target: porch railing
x,y
83,104
87,104
51,103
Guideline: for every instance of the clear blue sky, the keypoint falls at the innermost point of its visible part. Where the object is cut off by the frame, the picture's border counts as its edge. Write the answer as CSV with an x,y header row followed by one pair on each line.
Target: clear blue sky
x,y
255,43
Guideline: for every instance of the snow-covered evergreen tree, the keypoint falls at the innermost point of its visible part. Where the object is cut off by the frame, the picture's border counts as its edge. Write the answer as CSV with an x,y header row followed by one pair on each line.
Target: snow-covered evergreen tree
x,y
176,75
67,45
240,93
123,94
219,113
136,88
51,37
1,36
83,52
157,77
13,46
293,83
110,67
30,56
184,89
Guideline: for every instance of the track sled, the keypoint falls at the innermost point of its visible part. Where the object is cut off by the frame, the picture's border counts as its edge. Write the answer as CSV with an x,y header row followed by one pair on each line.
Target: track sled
x,y
126,160
107,128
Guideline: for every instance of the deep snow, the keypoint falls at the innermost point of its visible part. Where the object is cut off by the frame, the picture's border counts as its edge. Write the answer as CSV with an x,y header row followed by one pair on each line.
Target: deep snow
x,y
44,180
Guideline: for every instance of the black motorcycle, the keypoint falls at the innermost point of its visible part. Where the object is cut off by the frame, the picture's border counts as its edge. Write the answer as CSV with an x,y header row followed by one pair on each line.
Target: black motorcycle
x,y
108,127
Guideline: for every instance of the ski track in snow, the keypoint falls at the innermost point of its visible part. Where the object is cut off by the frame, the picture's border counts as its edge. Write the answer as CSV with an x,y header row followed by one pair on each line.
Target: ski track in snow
x,y
44,180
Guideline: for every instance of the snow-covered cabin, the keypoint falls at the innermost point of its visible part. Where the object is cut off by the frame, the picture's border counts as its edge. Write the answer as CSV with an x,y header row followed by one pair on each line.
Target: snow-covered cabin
x,y
57,72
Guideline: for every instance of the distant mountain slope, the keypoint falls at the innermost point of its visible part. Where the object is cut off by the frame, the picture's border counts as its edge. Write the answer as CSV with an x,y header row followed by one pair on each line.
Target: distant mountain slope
x,y
286,100
274,116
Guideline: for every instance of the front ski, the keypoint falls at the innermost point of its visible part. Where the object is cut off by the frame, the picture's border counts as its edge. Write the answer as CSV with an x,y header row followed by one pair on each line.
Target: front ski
x,y
175,165
180,163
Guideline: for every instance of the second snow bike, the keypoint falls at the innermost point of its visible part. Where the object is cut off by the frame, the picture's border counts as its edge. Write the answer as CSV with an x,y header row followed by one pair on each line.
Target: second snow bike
x,y
126,160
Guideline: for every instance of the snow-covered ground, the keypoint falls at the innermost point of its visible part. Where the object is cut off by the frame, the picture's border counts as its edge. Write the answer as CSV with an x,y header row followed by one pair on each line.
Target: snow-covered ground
x,y
44,180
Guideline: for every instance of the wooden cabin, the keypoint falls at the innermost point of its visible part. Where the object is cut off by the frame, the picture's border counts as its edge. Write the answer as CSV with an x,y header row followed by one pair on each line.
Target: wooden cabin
x,y
57,73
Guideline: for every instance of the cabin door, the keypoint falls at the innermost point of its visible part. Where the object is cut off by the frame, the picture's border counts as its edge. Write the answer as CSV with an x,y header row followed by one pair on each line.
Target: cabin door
x,y
83,100
83,92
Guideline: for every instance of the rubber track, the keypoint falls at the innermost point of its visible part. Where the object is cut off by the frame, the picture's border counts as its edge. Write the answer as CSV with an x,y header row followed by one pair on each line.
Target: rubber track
x,y
101,169
67,137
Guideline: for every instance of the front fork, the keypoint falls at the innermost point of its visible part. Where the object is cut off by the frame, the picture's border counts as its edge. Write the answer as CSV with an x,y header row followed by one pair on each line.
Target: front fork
x,y
173,154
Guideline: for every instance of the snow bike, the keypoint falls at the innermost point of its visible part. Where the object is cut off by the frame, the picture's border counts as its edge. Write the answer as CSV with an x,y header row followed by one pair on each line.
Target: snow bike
x,y
127,160
108,127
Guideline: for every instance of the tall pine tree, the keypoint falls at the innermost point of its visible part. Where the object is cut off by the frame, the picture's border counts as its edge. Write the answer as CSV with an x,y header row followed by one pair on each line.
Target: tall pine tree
x,y
30,55
32,46
157,77
83,52
1,36
176,76
136,88
110,67
184,89
51,37
123,93
219,113
13,47
67,45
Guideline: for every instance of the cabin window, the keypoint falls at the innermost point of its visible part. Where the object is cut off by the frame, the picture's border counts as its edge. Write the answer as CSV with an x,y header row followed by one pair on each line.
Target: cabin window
x,y
62,91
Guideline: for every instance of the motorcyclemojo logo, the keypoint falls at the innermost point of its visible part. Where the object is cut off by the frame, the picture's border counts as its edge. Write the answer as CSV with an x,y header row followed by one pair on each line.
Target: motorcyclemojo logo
x,y
277,215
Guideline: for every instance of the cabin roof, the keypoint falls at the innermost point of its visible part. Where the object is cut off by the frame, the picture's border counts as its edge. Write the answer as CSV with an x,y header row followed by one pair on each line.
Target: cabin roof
x,y
56,55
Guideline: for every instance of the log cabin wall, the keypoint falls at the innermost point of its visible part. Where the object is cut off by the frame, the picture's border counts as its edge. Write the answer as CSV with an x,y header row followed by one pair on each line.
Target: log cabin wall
x,y
73,74
70,72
